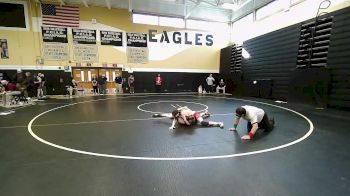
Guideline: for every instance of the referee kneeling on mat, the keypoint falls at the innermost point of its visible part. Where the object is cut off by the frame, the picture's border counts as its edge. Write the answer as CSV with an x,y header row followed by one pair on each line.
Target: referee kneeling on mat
x,y
256,119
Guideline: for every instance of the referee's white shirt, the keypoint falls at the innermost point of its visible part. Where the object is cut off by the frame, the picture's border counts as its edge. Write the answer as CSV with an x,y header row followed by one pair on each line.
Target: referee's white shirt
x,y
253,114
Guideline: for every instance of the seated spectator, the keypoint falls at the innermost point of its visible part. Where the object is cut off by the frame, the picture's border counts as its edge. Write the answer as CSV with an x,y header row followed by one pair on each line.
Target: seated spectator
x,y
8,90
221,86
43,83
8,86
94,84
73,86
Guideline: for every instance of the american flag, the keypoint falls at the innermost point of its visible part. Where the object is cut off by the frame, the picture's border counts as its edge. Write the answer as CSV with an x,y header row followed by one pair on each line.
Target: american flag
x,y
63,16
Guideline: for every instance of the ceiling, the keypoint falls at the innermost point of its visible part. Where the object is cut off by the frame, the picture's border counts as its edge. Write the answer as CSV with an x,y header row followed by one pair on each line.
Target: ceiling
x,y
210,10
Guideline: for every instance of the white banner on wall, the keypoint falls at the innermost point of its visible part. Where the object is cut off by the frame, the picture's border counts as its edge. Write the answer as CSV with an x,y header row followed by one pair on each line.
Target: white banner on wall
x,y
137,54
85,53
55,51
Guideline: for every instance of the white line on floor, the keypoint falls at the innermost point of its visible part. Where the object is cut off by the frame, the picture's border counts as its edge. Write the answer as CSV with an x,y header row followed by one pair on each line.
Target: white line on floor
x,y
309,132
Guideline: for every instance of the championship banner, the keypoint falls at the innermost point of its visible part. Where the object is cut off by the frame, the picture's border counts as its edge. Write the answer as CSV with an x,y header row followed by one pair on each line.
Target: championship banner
x,y
136,39
137,55
54,34
85,53
137,51
55,51
84,36
111,38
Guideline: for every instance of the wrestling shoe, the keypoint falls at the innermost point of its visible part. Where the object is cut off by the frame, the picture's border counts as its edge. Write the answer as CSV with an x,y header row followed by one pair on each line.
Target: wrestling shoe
x,y
156,115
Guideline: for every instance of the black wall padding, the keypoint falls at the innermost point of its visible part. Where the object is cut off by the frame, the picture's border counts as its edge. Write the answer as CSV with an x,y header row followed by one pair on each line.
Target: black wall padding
x,y
56,80
261,88
225,62
144,81
339,60
272,56
225,58
235,83
232,79
310,85
172,82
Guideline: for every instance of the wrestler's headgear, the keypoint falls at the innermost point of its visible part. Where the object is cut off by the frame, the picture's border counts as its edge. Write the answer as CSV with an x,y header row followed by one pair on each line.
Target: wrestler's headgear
x,y
176,114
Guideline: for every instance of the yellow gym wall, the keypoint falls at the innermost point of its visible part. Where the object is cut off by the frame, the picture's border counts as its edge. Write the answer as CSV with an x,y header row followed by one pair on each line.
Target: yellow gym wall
x,y
25,46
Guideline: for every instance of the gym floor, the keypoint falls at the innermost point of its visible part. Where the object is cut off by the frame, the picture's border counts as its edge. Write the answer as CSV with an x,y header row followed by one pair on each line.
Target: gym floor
x,y
110,145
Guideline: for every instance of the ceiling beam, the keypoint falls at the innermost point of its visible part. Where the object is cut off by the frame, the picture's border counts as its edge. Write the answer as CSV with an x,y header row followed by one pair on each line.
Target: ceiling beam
x,y
208,2
85,3
108,4
241,5
204,1
130,5
188,14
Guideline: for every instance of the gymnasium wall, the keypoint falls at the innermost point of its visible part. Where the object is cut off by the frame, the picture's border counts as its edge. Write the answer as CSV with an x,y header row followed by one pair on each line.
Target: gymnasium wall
x,y
272,64
25,46
339,60
172,82
273,56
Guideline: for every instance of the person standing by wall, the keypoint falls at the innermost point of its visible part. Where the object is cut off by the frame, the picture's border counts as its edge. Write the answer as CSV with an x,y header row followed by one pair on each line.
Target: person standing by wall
x,y
29,84
131,81
125,85
100,82
38,84
19,80
158,83
94,85
118,83
210,83
43,84
104,86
